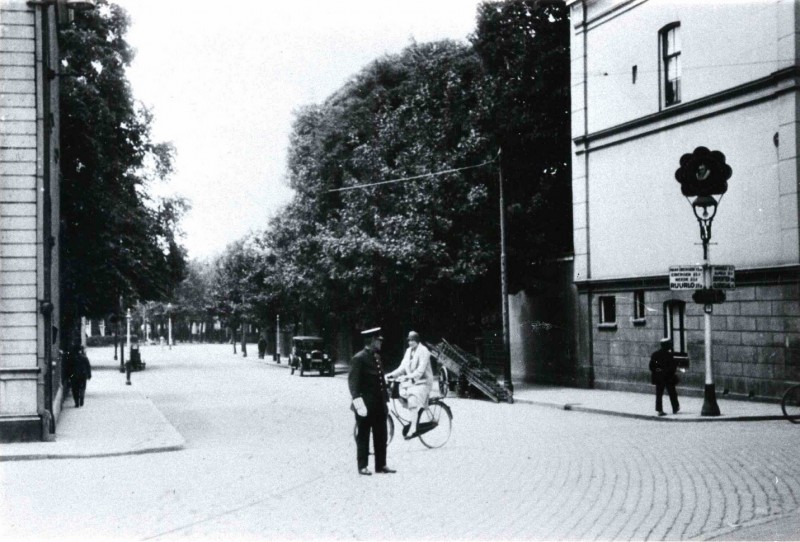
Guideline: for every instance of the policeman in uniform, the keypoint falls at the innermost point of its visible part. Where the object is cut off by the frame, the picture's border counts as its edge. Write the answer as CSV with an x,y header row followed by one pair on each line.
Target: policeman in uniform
x,y
368,391
663,368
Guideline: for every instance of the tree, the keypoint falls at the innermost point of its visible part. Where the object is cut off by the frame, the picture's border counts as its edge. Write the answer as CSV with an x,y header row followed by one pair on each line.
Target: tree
x,y
524,50
411,246
116,240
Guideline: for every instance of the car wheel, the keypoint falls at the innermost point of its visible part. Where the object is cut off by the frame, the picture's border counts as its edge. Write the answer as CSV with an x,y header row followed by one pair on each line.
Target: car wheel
x,y
332,370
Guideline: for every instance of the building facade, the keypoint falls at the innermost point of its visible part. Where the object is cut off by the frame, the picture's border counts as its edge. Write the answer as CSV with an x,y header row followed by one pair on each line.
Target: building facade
x,y
30,366
651,81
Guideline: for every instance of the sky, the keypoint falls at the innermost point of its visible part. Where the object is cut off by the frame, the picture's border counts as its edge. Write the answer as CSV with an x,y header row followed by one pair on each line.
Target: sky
x,y
224,78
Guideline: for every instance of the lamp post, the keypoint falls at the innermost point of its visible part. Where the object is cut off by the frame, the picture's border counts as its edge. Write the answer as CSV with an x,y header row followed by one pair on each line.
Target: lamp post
x,y
504,283
169,325
128,317
144,325
278,338
704,174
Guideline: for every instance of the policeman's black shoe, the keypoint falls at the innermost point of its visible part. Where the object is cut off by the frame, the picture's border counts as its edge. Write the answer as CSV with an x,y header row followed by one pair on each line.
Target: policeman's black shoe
x,y
676,410
365,471
386,470
662,413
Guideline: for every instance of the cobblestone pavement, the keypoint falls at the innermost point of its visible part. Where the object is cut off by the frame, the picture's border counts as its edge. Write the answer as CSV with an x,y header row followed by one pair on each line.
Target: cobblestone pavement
x,y
269,455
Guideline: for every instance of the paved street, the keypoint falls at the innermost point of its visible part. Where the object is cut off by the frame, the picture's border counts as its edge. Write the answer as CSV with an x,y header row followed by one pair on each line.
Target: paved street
x,y
269,455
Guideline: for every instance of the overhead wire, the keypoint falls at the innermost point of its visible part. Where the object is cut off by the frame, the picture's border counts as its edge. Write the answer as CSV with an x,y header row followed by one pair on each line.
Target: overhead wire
x,y
412,178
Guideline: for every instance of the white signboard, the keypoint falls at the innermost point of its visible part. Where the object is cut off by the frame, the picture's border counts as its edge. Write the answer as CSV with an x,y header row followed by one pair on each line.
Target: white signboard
x,y
685,277
723,277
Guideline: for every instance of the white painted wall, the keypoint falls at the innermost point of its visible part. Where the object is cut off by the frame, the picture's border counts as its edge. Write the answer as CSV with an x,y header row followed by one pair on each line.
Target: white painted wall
x,y
19,320
724,44
632,220
641,224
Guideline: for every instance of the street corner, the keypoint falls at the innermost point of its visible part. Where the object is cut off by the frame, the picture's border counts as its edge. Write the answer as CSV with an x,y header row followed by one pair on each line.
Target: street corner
x,y
115,420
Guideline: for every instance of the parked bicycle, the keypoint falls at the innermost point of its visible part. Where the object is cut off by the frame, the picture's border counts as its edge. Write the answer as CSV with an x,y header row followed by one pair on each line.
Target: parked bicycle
x,y
434,424
790,404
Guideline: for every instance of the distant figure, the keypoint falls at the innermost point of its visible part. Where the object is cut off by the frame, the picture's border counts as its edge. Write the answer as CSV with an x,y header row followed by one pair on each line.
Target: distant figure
x,y
663,367
262,347
80,370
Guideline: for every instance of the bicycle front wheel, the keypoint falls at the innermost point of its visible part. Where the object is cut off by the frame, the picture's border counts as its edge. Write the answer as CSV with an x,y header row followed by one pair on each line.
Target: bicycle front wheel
x,y
435,424
790,404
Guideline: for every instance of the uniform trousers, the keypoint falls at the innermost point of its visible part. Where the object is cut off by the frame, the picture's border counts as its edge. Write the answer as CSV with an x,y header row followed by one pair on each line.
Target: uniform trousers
x,y
374,421
78,385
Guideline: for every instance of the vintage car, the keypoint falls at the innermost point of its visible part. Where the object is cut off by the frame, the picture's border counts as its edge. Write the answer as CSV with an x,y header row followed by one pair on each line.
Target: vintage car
x,y
309,353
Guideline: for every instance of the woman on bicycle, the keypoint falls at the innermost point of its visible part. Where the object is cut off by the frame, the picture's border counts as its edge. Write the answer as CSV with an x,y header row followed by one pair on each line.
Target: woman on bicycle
x,y
416,378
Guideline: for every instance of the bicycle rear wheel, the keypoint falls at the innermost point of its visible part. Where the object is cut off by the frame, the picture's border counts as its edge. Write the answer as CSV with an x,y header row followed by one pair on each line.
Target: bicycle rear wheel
x,y
790,404
435,424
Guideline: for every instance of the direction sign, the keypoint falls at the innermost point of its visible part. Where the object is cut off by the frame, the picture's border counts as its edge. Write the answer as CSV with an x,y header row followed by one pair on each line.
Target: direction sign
x,y
685,277
723,277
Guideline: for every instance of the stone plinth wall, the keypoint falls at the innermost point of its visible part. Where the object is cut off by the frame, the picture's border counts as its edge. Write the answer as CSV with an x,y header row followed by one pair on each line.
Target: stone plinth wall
x,y
755,340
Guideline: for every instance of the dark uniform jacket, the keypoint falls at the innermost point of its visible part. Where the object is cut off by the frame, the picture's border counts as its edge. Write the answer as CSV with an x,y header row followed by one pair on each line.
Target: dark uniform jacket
x,y
366,379
79,367
663,367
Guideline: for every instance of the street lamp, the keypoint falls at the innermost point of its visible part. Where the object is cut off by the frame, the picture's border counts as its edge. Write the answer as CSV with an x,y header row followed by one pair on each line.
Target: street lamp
x,y
145,327
169,325
278,338
704,174
128,317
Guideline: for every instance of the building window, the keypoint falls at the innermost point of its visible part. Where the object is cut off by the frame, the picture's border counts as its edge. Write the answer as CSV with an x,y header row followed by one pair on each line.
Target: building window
x,y
608,310
674,312
671,63
638,307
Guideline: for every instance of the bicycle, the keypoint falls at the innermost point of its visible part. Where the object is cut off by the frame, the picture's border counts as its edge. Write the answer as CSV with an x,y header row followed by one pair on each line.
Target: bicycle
x,y
434,422
790,404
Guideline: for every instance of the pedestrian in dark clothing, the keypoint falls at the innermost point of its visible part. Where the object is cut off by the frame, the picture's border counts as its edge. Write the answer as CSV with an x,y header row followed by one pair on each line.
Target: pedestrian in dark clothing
x,y
262,347
663,368
80,371
368,391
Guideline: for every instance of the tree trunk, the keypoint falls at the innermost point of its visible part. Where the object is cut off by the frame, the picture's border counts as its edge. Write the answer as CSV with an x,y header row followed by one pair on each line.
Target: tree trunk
x,y
244,340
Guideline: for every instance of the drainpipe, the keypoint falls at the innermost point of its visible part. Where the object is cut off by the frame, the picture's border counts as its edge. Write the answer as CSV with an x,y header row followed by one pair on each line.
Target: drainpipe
x,y
48,241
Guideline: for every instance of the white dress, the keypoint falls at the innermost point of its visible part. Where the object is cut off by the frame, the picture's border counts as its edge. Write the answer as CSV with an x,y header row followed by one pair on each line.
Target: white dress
x,y
416,365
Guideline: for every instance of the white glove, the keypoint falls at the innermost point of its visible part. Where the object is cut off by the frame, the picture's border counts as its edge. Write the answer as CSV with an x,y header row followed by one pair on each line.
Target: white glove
x,y
361,408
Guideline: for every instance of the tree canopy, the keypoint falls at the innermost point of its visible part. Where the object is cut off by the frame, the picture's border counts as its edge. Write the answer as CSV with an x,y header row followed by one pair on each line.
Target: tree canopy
x,y
395,218
354,247
116,239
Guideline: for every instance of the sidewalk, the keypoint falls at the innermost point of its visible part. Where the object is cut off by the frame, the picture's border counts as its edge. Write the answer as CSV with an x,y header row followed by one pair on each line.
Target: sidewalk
x,y
115,420
642,405
626,404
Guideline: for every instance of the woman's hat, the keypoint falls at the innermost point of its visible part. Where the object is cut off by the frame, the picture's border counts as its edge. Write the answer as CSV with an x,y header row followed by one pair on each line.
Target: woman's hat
x,y
665,340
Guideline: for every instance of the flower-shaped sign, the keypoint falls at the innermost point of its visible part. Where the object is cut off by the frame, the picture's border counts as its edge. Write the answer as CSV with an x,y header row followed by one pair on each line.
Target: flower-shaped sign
x,y
703,173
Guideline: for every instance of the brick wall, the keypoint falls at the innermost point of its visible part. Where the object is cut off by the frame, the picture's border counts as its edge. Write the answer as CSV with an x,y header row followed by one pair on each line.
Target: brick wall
x,y
755,341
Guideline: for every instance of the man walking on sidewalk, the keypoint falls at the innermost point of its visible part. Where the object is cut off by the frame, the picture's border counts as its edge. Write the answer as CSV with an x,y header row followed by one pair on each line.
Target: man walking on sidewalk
x,y
80,370
663,368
